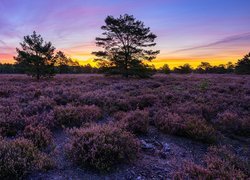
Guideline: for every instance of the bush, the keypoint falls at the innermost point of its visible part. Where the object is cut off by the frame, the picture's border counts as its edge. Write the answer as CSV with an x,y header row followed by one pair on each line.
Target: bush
x,y
193,127
19,157
143,101
102,146
231,123
39,135
220,163
198,129
70,116
38,106
170,123
135,121
11,121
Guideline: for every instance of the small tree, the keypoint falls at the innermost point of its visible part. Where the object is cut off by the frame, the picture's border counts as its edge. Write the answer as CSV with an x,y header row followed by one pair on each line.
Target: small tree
x,y
243,65
185,69
36,56
165,69
62,62
230,67
124,43
204,67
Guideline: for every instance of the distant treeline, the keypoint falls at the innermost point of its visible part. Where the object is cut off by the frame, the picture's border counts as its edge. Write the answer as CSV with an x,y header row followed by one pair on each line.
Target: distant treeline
x,y
64,69
241,67
203,68
73,67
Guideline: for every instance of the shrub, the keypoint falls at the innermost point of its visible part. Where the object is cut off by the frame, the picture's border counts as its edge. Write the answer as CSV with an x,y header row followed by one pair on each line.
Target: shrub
x,y
168,122
38,106
143,101
230,122
45,119
19,157
193,171
134,121
102,146
71,116
39,135
220,163
10,121
198,129
193,127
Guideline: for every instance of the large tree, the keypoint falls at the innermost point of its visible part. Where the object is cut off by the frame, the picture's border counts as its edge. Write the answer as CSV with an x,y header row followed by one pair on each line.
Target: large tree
x,y
126,43
243,65
36,56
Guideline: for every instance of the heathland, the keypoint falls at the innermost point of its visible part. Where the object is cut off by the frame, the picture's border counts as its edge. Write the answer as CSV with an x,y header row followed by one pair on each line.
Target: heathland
x,y
95,127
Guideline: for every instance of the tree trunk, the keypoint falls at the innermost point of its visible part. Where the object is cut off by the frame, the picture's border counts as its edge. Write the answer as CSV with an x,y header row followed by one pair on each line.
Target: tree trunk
x,y
38,76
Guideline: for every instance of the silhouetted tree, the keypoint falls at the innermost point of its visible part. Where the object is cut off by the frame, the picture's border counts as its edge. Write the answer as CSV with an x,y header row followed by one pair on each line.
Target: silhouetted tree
x,y
185,69
62,62
165,69
243,65
230,67
204,67
125,41
36,56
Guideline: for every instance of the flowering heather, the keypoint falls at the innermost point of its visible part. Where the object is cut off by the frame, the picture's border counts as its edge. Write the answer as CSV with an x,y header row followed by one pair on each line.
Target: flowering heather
x,y
102,146
134,121
39,135
70,116
220,163
169,119
19,157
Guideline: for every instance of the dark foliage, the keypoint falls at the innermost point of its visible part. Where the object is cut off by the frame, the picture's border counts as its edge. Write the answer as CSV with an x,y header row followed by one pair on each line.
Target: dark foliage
x,y
125,43
165,69
36,56
243,65
185,69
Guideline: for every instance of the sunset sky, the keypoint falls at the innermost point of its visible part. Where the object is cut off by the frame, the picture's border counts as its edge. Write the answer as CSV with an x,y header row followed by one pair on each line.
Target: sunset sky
x,y
189,31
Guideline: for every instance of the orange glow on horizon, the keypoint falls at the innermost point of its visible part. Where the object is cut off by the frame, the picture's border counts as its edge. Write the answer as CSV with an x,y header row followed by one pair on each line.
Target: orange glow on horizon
x,y
85,58
194,62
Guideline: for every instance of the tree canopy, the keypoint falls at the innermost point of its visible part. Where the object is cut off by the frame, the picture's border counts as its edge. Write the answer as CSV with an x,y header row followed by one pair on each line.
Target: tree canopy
x,y
243,65
36,56
126,43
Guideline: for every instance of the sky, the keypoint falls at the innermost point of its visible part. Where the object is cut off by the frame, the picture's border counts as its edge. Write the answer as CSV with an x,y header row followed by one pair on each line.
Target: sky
x,y
188,31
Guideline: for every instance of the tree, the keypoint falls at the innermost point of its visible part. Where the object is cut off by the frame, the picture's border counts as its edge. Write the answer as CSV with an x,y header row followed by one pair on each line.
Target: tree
x,y
126,44
243,65
230,67
204,67
165,69
185,69
36,56
62,62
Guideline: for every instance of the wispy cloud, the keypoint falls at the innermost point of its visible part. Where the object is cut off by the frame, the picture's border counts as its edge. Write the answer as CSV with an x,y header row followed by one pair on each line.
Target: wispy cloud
x,y
227,40
2,42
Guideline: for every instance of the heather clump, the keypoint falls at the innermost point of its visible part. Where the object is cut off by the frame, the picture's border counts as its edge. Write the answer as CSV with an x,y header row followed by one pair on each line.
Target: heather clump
x,y
134,121
38,106
168,122
19,157
231,123
220,163
11,121
143,101
101,147
190,126
39,135
70,116
198,129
